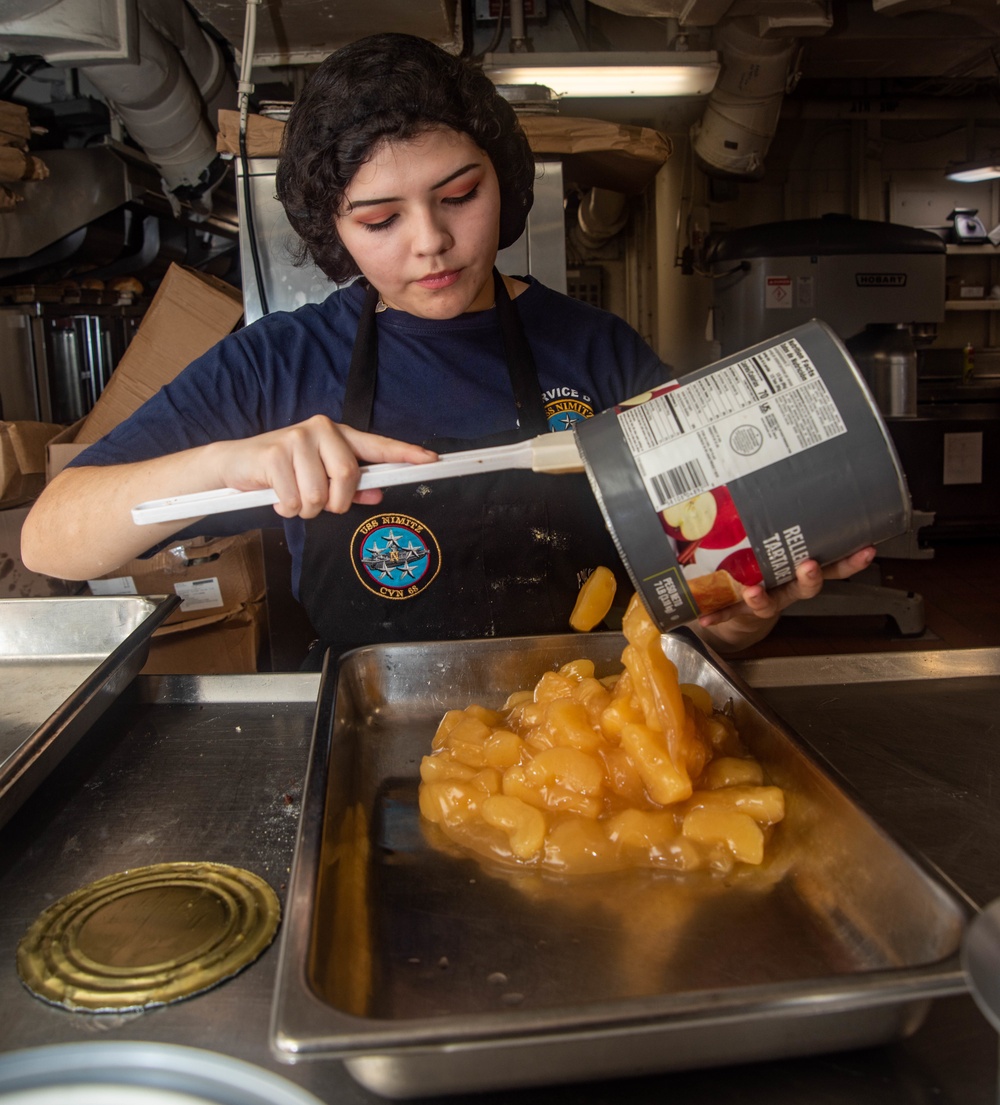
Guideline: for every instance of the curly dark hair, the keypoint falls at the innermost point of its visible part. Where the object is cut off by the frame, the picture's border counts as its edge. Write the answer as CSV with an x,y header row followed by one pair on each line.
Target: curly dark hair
x,y
390,87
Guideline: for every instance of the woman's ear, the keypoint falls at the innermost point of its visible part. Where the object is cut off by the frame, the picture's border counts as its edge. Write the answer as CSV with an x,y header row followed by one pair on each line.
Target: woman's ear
x,y
514,210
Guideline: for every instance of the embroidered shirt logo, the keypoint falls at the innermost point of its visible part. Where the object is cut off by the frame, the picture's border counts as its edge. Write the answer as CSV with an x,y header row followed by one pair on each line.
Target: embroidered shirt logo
x,y
395,556
564,406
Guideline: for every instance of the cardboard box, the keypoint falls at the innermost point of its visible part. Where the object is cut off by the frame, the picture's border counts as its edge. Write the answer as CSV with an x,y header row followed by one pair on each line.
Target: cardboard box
x,y
960,289
220,626
23,459
214,576
224,626
190,312
61,449
16,581
15,125
224,644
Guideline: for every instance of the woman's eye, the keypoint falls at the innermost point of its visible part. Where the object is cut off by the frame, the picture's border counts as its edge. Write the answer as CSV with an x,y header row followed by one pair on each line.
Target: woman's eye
x,y
383,225
464,198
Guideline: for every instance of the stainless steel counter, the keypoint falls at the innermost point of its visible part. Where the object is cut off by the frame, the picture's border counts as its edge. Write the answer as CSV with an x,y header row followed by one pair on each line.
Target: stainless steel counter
x,y
211,768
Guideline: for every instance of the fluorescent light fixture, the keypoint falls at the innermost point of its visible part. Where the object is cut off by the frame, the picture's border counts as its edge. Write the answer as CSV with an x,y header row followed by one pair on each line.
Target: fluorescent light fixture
x,y
971,172
673,73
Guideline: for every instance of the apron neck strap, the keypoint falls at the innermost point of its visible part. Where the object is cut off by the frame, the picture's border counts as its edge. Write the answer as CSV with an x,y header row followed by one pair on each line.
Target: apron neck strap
x,y
520,364
359,393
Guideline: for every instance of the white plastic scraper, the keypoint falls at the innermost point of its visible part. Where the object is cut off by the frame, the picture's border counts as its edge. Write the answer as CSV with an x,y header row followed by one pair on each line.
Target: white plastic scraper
x,y
552,453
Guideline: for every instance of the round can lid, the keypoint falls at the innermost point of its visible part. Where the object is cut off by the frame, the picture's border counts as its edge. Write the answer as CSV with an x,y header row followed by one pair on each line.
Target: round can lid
x,y
148,936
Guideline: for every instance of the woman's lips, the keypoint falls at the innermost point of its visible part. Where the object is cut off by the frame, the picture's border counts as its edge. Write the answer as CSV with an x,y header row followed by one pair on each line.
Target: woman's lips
x,y
436,280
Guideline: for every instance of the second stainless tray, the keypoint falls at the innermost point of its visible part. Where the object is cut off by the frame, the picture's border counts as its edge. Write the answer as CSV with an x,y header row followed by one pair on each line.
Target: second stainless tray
x,y
428,972
63,661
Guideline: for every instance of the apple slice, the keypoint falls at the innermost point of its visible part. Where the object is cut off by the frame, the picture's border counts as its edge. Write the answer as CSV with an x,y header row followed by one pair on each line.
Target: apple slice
x,y
594,600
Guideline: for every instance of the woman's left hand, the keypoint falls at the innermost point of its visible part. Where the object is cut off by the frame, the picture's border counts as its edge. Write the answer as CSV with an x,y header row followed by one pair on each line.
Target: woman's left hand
x,y
750,620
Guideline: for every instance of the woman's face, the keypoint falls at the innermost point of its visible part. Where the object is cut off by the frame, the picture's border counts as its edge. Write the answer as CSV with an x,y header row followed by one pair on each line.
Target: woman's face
x,y
422,221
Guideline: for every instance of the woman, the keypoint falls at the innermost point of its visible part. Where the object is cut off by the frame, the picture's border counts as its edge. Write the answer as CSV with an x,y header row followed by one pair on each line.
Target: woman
x,y
402,165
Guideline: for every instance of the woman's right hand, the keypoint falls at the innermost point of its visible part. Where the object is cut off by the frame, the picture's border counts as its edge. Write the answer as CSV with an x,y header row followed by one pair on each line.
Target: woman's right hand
x,y
313,465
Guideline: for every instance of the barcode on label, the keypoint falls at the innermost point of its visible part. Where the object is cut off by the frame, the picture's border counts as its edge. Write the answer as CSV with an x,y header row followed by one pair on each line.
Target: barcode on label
x,y
677,484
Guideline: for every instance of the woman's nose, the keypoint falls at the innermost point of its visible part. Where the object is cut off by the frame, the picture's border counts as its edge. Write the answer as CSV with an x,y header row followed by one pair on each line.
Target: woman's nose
x,y
432,235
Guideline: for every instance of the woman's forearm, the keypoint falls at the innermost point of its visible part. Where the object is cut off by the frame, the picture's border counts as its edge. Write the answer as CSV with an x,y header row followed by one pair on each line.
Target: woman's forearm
x,y
81,525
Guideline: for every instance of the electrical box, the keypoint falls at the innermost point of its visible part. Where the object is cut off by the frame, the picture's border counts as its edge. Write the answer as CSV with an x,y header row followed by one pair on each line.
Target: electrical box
x,y
488,10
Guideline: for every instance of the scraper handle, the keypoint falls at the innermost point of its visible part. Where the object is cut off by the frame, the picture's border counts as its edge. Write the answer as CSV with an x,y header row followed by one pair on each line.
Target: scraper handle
x,y
553,453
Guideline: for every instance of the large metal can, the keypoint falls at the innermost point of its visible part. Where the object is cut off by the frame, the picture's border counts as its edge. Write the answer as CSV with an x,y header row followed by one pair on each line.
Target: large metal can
x,y
735,473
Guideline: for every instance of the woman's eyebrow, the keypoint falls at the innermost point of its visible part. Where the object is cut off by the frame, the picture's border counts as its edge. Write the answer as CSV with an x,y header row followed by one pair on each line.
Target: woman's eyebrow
x,y
434,187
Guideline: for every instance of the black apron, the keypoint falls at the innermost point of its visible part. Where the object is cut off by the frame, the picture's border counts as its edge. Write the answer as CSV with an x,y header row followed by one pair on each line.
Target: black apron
x,y
490,555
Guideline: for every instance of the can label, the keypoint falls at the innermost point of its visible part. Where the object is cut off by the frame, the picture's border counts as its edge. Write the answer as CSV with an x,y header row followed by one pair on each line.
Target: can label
x,y
690,438
736,473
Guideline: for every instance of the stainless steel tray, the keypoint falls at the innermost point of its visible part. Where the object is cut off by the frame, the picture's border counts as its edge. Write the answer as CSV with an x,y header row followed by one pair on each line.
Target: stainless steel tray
x,y
428,972
63,661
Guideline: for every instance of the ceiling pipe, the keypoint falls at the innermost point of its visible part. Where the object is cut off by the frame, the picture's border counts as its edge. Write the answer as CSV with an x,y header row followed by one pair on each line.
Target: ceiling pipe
x,y
161,108
741,116
156,67
202,55
601,215
518,29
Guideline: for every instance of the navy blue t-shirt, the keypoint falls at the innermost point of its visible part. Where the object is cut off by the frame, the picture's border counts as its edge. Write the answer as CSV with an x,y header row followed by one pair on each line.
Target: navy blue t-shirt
x,y
436,377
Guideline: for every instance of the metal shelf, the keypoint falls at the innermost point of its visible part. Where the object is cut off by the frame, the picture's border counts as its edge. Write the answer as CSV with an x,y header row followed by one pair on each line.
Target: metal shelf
x,y
972,304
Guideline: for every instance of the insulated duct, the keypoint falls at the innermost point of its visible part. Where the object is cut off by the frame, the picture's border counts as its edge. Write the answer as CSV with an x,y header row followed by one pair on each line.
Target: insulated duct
x,y
735,132
601,215
161,106
203,58
156,67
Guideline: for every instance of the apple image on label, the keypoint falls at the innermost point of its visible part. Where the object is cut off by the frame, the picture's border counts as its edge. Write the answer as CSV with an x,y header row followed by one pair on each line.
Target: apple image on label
x,y
693,519
727,529
742,565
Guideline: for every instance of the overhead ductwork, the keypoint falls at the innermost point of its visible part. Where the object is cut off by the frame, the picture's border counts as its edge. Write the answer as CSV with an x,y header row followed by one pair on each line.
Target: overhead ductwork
x,y
209,67
601,215
160,72
735,132
161,107
758,43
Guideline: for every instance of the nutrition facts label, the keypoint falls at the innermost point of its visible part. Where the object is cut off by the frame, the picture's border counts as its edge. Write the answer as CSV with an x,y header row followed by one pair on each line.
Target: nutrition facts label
x,y
734,421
